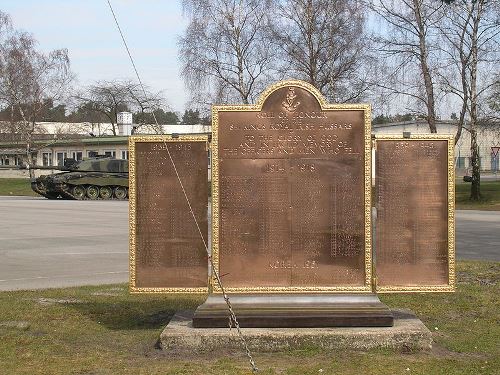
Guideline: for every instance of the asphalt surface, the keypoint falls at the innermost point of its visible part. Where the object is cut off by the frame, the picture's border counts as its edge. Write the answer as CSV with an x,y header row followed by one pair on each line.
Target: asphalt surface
x,y
55,243
477,235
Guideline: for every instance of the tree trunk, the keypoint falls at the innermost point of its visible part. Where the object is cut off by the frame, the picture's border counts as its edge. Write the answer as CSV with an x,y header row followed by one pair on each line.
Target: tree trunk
x,y
475,191
241,80
429,87
29,155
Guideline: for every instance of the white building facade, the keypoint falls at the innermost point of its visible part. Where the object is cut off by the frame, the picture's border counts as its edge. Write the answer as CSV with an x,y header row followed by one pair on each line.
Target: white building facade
x,y
53,152
488,140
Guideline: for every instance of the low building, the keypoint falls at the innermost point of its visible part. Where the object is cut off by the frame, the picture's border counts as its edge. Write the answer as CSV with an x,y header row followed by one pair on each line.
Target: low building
x,y
52,151
488,140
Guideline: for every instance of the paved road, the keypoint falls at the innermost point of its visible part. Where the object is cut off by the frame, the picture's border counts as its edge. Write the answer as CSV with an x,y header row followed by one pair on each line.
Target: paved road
x,y
478,235
47,243
54,243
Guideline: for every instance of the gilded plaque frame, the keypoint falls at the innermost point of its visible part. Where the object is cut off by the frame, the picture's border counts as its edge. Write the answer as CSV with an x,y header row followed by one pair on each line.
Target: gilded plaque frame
x,y
450,287
132,210
366,108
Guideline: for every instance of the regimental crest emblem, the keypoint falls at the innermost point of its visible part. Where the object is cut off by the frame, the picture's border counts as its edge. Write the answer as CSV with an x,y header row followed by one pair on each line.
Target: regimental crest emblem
x,y
290,104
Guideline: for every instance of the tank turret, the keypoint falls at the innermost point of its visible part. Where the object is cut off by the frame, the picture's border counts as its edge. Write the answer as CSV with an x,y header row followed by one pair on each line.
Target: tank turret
x,y
93,178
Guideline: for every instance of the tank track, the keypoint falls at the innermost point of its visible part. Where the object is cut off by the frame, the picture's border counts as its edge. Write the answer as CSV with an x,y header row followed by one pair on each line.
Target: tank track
x,y
68,193
40,188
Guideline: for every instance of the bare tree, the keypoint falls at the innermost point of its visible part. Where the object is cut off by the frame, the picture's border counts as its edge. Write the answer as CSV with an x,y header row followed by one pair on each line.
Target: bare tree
x,y
492,116
409,41
5,31
323,42
5,24
471,52
108,98
28,79
224,51
145,102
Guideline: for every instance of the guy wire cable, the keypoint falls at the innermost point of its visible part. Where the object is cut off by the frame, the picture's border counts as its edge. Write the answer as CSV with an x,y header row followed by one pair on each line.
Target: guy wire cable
x,y
232,320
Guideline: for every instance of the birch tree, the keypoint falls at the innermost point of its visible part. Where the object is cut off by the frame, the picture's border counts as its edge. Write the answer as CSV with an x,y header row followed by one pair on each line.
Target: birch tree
x,y
28,79
324,43
410,43
471,52
225,52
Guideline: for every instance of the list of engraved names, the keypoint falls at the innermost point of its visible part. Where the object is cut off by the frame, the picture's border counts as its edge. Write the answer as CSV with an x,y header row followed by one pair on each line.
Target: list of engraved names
x,y
291,193
412,223
169,250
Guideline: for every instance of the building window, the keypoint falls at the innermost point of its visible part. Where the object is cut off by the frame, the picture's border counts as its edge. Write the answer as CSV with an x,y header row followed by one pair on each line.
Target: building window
x,y
110,153
461,162
17,160
125,154
6,161
46,159
92,153
495,163
77,155
60,158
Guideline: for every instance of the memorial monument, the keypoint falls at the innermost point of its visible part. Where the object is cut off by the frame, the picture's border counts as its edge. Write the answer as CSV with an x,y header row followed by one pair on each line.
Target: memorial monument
x,y
292,214
415,228
166,252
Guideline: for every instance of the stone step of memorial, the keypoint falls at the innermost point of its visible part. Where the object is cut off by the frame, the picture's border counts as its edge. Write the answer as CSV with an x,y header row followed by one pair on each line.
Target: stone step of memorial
x,y
408,333
295,310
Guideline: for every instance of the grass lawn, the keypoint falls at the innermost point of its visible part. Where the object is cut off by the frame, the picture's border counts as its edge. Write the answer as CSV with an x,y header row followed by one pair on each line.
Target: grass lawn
x,y
490,190
104,330
16,186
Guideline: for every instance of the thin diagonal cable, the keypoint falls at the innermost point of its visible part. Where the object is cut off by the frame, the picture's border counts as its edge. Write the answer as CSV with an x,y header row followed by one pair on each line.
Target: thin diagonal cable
x,y
233,318
130,57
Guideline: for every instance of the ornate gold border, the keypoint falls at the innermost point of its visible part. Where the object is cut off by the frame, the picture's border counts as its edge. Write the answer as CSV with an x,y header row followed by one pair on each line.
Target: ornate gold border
x,y
133,203
450,287
215,188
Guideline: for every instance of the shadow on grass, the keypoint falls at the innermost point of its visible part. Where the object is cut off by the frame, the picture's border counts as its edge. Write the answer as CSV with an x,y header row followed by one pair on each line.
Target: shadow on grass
x,y
133,315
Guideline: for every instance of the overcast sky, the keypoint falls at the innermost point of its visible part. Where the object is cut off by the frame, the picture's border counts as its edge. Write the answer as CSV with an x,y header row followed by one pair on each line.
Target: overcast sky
x,y
87,30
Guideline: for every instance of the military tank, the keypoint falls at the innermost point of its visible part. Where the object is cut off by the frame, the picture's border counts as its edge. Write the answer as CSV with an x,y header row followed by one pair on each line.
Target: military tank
x,y
94,178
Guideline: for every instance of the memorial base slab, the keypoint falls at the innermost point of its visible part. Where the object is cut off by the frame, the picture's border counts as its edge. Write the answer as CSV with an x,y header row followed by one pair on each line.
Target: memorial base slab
x,y
295,310
407,333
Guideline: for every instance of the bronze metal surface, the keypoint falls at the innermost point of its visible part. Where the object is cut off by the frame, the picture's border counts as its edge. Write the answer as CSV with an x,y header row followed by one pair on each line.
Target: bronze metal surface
x,y
167,252
290,181
414,249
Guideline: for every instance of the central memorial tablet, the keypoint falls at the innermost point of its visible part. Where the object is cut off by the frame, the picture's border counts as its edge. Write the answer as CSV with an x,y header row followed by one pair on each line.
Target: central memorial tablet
x,y
291,195
291,201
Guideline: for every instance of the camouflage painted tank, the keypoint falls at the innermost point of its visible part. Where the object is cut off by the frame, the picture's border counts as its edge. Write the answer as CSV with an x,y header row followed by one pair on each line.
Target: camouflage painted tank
x,y
95,178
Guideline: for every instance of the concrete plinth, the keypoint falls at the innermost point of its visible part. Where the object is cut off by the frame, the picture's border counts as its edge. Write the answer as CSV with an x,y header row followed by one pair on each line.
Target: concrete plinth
x,y
407,333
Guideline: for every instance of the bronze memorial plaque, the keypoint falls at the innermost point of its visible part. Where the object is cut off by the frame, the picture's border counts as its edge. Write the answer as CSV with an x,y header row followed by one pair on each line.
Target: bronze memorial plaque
x,y
291,193
167,253
414,246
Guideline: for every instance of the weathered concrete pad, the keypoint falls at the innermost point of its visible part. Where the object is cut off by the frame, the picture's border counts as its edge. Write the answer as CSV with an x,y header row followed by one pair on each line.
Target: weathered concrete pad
x,y
408,333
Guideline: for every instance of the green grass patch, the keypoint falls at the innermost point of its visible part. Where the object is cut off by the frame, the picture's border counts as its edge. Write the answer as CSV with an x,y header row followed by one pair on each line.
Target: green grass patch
x,y
105,330
490,191
16,186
